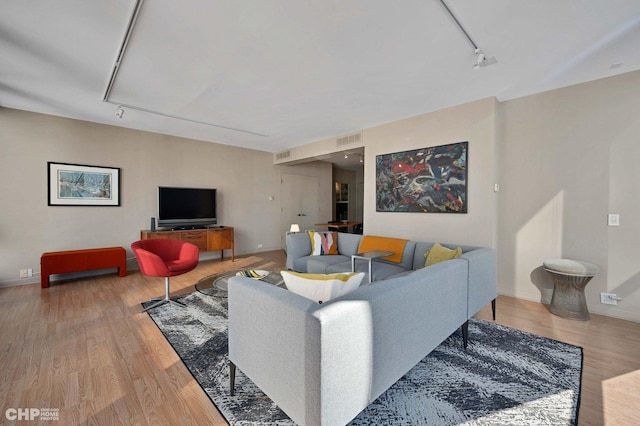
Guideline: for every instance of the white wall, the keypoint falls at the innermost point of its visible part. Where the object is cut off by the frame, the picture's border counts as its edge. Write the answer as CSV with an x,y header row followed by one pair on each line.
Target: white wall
x,y
245,180
569,157
564,159
474,122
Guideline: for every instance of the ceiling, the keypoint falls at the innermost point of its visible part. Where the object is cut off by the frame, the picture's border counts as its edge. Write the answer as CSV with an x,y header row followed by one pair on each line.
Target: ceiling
x,y
275,74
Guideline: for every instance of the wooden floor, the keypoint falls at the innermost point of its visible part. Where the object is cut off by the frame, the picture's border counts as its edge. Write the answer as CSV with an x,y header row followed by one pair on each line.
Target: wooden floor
x,y
85,348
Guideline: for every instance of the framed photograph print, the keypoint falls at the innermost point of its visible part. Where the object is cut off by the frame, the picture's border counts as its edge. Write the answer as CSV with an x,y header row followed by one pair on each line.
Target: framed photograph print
x,y
426,180
83,185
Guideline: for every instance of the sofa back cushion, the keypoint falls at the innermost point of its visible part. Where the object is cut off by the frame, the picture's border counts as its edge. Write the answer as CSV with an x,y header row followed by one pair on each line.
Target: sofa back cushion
x,y
348,243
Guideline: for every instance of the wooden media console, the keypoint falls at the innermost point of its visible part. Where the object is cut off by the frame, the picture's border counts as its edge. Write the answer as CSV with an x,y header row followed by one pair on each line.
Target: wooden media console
x,y
210,239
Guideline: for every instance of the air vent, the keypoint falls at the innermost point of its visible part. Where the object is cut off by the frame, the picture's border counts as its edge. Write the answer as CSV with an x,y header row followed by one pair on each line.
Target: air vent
x,y
282,155
348,140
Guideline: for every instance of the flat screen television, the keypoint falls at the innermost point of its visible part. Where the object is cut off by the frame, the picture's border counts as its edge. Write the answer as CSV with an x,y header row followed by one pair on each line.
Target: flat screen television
x,y
186,207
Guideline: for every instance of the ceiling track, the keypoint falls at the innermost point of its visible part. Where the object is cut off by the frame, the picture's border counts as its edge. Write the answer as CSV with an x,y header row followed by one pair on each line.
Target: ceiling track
x,y
162,114
116,68
473,43
123,47
480,59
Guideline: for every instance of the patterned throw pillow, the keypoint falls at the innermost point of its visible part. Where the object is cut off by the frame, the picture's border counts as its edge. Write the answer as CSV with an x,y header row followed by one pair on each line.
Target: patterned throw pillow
x,y
438,253
321,287
323,243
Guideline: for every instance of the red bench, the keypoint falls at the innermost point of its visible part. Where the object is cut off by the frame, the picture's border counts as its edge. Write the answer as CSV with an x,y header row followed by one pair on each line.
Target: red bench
x,y
62,262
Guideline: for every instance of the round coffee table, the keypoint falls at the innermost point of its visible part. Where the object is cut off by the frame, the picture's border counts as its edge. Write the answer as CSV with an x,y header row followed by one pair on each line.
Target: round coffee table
x,y
216,284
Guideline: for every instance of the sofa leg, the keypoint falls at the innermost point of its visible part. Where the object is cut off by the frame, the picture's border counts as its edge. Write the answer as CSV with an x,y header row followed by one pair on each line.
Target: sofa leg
x,y
232,378
465,334
493,308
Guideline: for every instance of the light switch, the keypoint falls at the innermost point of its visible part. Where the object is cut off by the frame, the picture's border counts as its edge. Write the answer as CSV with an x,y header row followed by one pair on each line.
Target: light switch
x,y
614,220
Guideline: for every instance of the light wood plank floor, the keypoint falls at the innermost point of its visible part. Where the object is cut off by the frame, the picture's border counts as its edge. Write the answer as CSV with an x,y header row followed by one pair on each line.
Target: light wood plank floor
x,y
84,347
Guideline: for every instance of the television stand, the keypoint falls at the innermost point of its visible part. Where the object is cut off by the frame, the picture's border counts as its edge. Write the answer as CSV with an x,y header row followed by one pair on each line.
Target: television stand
x,y
206,239
188,227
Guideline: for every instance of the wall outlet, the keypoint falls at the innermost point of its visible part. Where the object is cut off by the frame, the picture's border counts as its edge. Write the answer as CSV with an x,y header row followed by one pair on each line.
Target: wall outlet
x,y
23,273
609,298
260,245
613,219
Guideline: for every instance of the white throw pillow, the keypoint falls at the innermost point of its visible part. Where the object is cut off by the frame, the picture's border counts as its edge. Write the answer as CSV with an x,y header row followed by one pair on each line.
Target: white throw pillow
x,y
322,287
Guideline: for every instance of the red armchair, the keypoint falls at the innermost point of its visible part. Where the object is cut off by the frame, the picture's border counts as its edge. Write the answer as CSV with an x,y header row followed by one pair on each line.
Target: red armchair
x,y
165,258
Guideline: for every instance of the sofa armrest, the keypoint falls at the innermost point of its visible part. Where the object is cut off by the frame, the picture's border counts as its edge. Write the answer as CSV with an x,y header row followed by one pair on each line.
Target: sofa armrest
x,y
298,245
483,279
271,343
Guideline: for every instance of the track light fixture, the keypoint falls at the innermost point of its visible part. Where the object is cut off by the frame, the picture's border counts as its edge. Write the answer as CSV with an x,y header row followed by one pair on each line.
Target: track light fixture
x,y
119,111
479,59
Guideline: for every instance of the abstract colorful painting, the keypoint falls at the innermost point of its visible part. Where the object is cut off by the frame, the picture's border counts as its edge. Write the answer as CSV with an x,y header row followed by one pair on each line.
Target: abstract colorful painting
x,y
427,180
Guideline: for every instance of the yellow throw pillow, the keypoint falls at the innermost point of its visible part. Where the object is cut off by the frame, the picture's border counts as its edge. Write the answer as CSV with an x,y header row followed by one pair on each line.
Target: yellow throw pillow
x,y
321,287
438,253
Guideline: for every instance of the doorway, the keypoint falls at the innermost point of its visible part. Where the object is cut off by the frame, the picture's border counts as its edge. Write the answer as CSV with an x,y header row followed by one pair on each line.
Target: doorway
x,y
300,195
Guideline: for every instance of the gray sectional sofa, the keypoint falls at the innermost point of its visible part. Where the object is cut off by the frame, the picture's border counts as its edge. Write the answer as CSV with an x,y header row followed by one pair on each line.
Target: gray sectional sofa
x,y
324,363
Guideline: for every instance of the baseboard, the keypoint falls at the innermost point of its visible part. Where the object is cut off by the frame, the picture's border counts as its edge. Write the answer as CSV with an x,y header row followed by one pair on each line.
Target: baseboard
x,y
618,313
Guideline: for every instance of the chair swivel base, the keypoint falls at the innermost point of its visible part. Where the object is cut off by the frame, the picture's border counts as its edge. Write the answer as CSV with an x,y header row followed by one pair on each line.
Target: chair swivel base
x,y
162,301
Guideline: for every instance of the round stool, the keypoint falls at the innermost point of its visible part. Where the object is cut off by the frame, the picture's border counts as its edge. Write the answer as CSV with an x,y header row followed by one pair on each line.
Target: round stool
x,y
570,277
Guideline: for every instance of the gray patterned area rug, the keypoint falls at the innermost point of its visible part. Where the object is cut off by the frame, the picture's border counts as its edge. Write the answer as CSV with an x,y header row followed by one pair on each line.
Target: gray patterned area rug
x,y
504,377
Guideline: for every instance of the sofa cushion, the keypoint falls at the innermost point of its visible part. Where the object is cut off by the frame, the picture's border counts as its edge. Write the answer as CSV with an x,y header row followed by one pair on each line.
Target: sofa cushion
x,y
323,264
323,243
438,253
321,287
379,270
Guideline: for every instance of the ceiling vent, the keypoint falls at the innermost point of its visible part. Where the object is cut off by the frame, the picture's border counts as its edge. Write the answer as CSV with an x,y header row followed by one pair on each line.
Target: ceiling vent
x,y
348,140
282,155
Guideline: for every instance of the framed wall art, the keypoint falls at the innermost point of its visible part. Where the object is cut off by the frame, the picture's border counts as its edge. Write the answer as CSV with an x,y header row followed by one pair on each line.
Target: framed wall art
x,y
83,185
426,180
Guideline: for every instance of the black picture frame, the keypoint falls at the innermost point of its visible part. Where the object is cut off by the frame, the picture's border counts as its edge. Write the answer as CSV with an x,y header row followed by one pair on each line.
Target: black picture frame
x,y
82,185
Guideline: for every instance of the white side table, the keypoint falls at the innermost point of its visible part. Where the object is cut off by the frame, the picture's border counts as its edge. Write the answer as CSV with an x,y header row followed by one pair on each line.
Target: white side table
x,y
369,256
